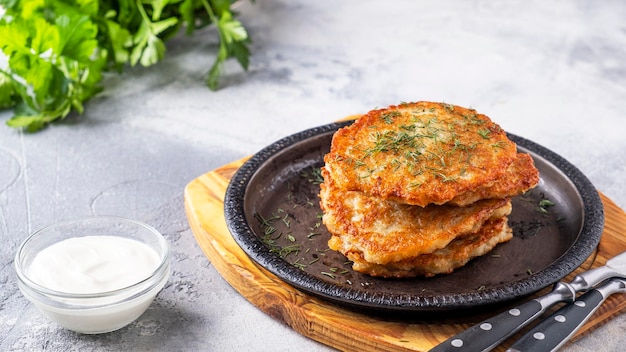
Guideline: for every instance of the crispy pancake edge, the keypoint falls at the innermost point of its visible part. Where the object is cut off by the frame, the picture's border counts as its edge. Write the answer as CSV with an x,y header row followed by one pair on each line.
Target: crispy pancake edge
x,y
428,153
444,261
385,231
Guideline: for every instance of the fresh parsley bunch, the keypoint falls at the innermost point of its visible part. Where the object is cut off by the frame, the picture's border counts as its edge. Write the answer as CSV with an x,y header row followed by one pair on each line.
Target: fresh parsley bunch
x,y
55,51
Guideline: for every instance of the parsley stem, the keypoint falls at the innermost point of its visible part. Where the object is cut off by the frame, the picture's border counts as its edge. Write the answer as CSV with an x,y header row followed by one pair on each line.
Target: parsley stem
x,y
210,12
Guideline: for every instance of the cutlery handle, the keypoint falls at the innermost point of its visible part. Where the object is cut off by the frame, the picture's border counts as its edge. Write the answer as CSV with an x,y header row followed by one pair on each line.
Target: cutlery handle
x,y
489,333
555,330
558,328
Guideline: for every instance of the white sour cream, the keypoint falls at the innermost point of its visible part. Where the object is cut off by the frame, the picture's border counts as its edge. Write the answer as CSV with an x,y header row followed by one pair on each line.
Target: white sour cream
x,y
93,264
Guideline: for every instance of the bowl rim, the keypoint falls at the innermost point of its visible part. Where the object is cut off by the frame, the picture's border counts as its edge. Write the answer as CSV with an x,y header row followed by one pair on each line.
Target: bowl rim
x,y
157,275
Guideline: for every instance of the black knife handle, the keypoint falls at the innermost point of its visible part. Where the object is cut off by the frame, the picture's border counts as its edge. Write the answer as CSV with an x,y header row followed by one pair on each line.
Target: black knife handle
x,y
554,331
491,332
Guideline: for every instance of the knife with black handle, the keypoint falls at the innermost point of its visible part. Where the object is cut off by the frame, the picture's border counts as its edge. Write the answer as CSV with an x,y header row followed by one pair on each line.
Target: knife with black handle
x,y
489,333
551,333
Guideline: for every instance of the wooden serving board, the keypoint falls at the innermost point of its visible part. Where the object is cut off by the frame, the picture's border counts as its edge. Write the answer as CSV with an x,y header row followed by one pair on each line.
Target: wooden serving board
x,y
326,322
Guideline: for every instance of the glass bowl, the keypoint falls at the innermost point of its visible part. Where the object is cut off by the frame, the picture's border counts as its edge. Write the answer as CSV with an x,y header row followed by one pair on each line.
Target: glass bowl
x,y
93,312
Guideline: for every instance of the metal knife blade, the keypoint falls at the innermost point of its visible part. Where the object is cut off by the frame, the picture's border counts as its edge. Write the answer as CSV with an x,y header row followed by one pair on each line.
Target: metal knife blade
x,y
489,333
551,333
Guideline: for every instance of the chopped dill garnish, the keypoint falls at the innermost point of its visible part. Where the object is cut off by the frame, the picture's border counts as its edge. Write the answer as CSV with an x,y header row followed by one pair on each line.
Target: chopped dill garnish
x,y
299,265
446,178
312,234
284,251
498,144
544,204
266,222
388,117
286,220
331,275
485,133
312,175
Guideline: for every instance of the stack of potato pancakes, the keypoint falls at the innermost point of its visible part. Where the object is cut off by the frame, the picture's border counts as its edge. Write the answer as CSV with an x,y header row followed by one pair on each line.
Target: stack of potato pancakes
x,y
419,189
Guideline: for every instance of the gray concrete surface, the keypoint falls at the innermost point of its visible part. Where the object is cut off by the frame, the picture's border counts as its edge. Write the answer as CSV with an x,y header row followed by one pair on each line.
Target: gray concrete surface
x,y
553,72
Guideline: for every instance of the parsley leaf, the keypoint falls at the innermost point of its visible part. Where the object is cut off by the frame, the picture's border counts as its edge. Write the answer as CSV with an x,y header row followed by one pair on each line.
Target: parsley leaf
x,y
58,50
7,91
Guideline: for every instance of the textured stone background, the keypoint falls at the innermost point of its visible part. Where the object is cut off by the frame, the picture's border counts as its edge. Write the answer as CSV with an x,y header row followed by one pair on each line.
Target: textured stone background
x,y
553,72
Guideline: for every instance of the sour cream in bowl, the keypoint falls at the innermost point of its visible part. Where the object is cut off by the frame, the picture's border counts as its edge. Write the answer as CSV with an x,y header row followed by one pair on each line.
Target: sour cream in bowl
x,y
93,275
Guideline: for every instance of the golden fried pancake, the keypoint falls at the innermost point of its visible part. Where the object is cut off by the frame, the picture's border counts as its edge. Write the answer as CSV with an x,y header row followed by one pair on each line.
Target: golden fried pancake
x,y
443,261
419,153
420,189
519,177
384,231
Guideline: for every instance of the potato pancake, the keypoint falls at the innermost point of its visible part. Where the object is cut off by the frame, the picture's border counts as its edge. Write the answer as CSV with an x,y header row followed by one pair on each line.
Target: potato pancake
x,y
419,153
519,177
420,189
385,231
443,261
